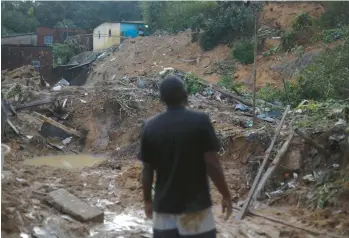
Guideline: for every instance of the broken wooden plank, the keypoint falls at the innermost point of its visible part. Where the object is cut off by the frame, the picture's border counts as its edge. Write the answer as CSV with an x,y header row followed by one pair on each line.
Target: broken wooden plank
x,y
273,166
73,206
312,143
59,125
292,225
261,168
309,230
12,126
64,102
35,103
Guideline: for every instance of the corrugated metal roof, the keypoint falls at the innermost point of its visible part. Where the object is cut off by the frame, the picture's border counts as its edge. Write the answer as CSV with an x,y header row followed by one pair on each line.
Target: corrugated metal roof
x,y
133,22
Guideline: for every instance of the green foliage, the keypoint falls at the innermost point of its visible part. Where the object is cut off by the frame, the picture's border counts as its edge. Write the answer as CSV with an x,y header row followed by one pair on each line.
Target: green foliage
x,y
336,15
62,53
226,23
269,93
17,18
301,22
224,67
331,35
193,84
65,23
220,22
321,81
174,16
25,16
226,81
243,51
272,51
287,40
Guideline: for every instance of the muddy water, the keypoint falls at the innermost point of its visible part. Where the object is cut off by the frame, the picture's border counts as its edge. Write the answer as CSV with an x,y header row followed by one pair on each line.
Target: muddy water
x,y
65,161
130,223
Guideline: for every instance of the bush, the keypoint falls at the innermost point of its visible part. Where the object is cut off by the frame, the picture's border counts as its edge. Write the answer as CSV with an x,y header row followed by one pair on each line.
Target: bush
x,y
243,51
207,40
226,23
302,21
192,83
226,81
62,53
328,36
287,40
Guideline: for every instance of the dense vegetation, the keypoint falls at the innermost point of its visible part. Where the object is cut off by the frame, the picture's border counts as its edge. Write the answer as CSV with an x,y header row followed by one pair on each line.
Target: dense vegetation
x,y
217,22
25,16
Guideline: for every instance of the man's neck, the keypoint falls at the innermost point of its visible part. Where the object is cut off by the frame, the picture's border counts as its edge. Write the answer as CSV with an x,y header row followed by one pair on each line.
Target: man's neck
x,y
176,107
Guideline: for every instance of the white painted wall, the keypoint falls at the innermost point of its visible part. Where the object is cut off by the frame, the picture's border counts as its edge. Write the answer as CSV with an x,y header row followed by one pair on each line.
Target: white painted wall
x,y
101,37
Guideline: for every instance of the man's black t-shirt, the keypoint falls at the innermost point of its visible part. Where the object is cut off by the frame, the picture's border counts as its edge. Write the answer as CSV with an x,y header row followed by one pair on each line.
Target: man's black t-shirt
x,y
174,143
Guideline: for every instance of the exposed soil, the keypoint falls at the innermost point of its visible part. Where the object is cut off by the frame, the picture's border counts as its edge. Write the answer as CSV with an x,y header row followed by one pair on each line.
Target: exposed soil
x,y
111,108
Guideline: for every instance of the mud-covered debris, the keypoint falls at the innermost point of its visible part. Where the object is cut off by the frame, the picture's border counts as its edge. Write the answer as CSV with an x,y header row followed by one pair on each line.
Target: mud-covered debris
x,y
42,233
66,129
48,130
23,73
73,206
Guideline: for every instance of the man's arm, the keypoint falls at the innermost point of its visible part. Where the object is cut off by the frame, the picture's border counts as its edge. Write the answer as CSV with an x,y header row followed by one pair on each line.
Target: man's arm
x,y
215,172
147,182
211,146
213,166
148,170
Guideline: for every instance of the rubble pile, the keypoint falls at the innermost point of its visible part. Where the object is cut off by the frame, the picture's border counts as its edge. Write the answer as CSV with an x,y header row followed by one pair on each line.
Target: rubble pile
x,y
106,116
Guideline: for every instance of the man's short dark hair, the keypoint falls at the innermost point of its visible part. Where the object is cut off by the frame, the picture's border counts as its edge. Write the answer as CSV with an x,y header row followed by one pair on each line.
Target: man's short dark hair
x,y
172,91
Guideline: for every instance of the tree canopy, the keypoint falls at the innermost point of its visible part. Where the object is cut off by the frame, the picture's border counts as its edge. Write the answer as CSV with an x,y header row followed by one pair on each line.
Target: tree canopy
x,y
25,16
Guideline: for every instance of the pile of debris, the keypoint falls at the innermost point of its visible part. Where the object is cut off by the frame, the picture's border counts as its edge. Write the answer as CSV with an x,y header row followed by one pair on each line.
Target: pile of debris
x,y
22,84
106,116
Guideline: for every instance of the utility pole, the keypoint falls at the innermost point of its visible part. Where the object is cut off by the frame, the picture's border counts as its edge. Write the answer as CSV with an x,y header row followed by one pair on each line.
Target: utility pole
x,y
256,18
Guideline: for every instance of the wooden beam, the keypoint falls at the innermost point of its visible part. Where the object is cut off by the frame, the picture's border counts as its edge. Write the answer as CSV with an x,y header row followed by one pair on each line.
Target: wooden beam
x,y
12,126
35,103
59,125
296,226
273,166
261,168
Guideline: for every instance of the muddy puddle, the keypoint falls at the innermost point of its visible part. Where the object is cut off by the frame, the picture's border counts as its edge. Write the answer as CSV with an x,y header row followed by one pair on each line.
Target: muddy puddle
x,y
65,161
130,223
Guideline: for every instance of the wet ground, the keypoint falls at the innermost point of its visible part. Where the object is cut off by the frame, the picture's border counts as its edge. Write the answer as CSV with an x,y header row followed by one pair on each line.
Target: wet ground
x,y
116,191
65,161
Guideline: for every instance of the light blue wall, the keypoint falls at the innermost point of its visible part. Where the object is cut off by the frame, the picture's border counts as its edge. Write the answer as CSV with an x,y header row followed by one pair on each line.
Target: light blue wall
x,y
130,30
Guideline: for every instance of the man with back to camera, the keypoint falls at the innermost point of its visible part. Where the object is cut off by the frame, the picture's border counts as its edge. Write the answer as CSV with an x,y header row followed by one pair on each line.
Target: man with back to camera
x,y
181,146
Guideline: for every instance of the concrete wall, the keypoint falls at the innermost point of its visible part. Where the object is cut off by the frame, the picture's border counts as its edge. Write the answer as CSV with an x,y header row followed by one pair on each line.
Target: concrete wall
x,y
101,37
20,40
129,30
13,57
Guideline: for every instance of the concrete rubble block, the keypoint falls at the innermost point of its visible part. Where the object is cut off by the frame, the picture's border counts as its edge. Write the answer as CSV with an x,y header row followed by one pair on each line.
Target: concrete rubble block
x,y
73,206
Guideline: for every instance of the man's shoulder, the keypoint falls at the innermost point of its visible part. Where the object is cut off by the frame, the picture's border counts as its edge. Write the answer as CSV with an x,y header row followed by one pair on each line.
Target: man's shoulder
x,y
153,120
196,117
202,116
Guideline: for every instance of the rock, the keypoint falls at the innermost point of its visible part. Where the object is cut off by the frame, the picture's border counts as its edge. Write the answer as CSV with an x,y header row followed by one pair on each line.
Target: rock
x,y
130,184
41,233
293,159
73,206
7,176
